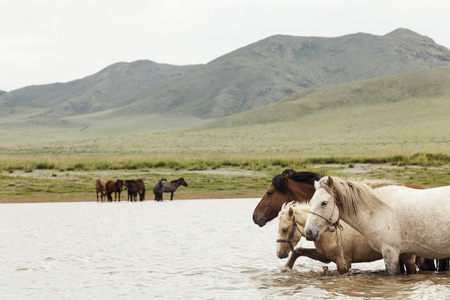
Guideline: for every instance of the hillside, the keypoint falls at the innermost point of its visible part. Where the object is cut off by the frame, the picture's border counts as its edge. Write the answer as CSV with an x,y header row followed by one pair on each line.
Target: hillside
x,y
266,71
107,89
403,114
248,78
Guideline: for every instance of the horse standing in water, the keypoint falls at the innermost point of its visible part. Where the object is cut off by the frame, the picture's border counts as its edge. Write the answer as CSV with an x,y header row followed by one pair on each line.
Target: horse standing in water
x,y
114,187
395,220
352,246
299,186
100,187
172,186
158,189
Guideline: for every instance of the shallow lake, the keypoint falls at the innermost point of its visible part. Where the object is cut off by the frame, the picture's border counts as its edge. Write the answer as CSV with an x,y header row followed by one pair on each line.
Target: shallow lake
x,y
181,249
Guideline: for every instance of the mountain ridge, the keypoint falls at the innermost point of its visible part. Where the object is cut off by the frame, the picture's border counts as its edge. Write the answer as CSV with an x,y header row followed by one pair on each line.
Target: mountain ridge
x,y
249,77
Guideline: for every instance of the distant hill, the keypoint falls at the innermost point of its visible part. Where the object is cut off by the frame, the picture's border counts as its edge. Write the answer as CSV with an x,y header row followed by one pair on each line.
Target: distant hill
x,y
107,89
266,71
403,90
248,78
399,114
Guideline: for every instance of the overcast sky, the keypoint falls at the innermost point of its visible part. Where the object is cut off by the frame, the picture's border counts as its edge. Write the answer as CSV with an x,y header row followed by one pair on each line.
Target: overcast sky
x,y
48,41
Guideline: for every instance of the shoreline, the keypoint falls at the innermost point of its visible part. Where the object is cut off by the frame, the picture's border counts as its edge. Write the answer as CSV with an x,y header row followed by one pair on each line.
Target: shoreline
x,y
177,196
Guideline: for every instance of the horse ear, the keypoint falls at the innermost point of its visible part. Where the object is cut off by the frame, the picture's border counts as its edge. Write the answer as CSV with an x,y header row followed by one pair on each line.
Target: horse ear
x,y
316,184
330,182
285,177
291,211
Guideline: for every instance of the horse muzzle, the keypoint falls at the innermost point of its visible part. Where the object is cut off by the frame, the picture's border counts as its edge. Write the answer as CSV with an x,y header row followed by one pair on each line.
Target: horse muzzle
x,y
282,254
311,236
259,220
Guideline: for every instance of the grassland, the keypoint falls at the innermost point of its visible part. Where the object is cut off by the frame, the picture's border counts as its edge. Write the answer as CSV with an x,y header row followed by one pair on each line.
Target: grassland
x,y
396,127
72,178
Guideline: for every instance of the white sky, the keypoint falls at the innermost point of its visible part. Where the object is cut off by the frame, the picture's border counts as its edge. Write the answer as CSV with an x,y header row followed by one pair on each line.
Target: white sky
x,y
47,41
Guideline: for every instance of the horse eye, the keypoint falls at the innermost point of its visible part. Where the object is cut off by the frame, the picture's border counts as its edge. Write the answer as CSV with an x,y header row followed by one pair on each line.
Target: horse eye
x,y
269,193
284,230
324,203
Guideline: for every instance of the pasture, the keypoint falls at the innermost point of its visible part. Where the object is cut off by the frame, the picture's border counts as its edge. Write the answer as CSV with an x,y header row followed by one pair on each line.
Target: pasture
x,y
45,178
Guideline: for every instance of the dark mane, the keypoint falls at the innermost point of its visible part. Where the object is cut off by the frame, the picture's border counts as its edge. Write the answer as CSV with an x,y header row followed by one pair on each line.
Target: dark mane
x,y
278,181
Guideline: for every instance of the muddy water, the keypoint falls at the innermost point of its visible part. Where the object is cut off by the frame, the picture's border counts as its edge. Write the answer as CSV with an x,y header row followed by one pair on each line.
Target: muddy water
x,y
185,249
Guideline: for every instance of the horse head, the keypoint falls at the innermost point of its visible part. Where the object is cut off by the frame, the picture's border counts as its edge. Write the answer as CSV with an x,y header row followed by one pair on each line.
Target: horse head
x,y
183,182
119,184
287,186
163,183
291,222
324,213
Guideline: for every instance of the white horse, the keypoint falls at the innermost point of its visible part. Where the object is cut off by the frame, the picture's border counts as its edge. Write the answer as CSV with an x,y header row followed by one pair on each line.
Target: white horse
x,y
159,188
394,219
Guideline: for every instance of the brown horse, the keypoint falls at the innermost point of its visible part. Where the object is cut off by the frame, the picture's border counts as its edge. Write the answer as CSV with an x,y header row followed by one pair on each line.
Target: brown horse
x,y
140,189
173,185
100,187
285,187
114,187
131,187
299,186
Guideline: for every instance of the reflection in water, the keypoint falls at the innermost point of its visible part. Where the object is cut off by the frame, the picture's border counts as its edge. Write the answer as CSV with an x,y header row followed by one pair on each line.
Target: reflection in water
x,y
172,249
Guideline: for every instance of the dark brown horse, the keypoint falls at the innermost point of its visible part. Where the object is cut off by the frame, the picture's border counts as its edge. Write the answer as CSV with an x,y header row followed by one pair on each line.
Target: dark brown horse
x,y
299,186
131,187
114,187
285,187
140,189
173,185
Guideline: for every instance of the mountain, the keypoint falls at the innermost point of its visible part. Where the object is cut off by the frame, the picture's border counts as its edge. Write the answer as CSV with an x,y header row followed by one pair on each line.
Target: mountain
x,y
396,115
268,70
425,90
248,78
104,90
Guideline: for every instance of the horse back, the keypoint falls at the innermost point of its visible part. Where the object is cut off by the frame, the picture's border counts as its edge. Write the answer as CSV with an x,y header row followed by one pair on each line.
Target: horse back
x,y
422,218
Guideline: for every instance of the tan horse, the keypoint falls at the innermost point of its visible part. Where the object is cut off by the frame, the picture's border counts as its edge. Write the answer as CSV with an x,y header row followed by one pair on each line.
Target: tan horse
x,y
100,187
342,247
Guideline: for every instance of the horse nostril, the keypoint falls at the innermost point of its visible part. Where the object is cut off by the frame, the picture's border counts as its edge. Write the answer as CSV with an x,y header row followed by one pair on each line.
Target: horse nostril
x,y
308,233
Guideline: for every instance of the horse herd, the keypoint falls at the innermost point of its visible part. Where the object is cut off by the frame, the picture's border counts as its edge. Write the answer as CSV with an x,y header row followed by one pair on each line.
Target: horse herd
x,y
358,221
135,187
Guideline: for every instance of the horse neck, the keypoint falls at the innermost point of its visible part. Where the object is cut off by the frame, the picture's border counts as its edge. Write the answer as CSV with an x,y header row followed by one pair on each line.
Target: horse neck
x,y
300,191
176,183
301,213
366,220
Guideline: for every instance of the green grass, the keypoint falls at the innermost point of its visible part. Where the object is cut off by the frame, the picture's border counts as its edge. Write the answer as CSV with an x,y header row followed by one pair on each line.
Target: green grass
x,y
251,162
229,178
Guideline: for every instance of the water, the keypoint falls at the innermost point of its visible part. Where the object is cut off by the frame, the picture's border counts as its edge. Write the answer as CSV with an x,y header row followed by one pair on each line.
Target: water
x,y
185,249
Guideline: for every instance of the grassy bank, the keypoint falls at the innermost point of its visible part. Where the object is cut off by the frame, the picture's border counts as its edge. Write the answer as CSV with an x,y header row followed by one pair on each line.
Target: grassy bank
x,y
72,178
253,162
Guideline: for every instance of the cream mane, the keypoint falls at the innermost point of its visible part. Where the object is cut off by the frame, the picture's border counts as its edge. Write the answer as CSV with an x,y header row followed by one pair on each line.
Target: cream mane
x,y
351,195
297,207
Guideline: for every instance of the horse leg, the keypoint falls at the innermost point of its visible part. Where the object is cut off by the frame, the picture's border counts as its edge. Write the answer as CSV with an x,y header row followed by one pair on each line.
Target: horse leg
x,y
292,258
409,261
308,252
171,196
391,260
426,264
443,264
